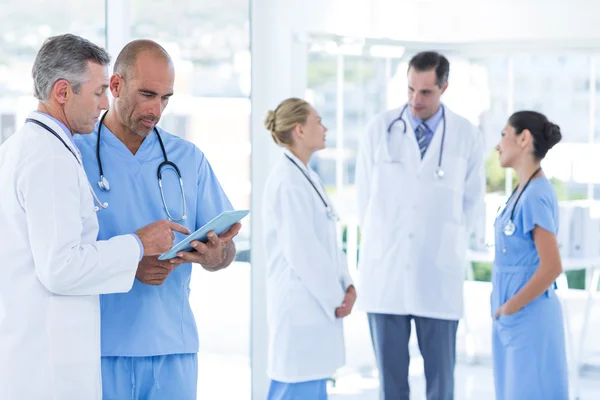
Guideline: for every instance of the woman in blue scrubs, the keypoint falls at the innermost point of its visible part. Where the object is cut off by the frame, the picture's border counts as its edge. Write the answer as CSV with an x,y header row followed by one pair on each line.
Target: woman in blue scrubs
x,y
528,336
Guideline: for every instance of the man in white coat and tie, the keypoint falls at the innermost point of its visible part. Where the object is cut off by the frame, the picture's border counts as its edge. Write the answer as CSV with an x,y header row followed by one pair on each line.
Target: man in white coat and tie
x,y
420,182
53,268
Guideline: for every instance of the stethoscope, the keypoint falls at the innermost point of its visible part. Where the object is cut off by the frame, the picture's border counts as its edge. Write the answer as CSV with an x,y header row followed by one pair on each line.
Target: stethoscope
x,y
439,172
104,185
99,205
509,227
328,209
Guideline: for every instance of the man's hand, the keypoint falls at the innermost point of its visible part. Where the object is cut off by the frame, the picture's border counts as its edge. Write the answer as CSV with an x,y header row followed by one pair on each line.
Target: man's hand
x,y
346,308
158,236
214,255
152,271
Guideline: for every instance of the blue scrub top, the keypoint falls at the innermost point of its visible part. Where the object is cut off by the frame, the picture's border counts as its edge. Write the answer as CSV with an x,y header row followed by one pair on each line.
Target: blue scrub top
x,y
150,320
538,205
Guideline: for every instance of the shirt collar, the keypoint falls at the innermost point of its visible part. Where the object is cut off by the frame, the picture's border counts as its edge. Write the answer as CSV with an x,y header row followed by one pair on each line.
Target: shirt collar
x,y
431,123
60,124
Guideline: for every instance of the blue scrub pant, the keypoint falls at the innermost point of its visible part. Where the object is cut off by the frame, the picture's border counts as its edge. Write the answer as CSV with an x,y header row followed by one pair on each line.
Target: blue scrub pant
x,y
169,377
530,361
310,390
437,342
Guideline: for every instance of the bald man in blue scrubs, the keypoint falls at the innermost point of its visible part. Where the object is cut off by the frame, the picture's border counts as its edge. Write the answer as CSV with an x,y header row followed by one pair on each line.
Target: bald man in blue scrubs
x,y
149,336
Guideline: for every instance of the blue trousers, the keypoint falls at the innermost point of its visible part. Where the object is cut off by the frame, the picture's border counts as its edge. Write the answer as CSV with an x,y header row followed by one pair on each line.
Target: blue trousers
x,y
311,390
437,342
169,377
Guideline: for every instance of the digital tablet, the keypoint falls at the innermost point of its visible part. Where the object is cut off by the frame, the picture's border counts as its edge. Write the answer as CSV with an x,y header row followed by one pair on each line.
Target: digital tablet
x,y
220,224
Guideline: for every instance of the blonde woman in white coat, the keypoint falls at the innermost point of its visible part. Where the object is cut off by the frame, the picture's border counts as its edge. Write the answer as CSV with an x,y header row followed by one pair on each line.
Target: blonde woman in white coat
x,y
309,289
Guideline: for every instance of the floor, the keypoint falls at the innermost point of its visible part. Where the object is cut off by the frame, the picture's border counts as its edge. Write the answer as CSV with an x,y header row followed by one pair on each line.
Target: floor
x,y
473,382
220,303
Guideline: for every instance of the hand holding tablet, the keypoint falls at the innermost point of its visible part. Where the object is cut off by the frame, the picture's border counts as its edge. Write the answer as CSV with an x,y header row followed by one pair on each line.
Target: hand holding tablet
x,y
219,225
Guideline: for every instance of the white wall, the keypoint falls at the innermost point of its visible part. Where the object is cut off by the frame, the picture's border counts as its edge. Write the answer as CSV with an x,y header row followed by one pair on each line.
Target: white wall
x,y
278,72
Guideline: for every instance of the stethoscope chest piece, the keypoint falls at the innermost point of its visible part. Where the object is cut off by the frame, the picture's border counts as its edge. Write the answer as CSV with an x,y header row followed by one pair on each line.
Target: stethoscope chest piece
x,y
439,174
509,228
103,183
331,214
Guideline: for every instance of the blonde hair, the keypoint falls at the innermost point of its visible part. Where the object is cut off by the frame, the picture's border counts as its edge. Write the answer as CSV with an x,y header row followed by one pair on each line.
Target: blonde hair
x,y
283,120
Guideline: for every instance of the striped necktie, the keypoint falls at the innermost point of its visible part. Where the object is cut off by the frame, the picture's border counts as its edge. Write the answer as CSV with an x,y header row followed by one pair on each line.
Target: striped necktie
x,y
421,133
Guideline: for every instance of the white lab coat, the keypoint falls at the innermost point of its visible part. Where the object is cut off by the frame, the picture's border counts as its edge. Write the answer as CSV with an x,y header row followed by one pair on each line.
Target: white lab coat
x,y
307,277
52,270
413,226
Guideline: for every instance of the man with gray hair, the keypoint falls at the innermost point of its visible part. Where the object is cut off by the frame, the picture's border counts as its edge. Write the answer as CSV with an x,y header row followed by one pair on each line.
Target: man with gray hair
x,y
52,265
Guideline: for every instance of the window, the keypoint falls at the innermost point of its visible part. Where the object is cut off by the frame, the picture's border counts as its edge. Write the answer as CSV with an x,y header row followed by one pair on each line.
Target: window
x,y
349,89
25,26
209,45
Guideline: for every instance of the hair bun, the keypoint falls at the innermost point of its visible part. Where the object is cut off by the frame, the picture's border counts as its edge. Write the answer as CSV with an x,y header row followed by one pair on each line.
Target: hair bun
x,y
270,121
552,134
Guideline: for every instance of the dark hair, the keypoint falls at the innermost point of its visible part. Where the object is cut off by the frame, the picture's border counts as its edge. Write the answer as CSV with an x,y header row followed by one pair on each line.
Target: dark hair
x,y
428,60
545,134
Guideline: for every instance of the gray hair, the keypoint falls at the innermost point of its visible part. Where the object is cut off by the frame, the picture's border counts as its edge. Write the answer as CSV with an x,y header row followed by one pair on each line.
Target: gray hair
x,y
64,57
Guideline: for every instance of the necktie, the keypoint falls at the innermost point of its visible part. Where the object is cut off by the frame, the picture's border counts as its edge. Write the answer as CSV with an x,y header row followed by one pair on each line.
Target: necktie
x,y
421,133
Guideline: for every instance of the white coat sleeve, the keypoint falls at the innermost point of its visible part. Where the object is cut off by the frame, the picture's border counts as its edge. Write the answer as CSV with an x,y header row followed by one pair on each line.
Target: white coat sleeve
x,y
305,253
473,202
345,273
51,197
364,167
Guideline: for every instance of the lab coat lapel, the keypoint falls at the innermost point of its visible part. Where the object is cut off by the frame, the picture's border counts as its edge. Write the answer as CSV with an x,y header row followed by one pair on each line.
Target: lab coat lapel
x,y
410,145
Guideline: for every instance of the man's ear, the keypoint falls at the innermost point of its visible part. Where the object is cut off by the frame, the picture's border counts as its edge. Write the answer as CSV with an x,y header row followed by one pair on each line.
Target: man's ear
x,y
116,85
444,87
61,91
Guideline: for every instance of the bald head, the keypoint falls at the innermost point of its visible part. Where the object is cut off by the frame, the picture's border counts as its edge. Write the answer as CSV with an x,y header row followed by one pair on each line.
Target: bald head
x,y
141,85
126,60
